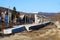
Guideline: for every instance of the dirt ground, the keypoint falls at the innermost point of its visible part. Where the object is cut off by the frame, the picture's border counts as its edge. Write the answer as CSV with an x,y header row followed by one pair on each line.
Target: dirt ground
x,y
49,32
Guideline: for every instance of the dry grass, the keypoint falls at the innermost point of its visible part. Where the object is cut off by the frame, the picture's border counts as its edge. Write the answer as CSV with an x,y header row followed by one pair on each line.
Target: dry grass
x,y
41,34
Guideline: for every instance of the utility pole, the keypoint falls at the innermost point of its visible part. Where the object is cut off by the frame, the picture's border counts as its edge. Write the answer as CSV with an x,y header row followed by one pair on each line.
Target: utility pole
x,y
8,15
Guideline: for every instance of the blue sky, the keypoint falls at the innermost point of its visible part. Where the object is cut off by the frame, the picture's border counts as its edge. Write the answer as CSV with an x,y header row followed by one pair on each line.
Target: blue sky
x,y
32,5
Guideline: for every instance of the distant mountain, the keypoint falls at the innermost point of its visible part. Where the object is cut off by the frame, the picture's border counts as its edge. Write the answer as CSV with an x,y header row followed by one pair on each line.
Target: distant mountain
x,y
46,13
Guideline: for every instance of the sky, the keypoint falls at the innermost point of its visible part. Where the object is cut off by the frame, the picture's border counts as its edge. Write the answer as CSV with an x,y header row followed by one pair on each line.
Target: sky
x,y
30,6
